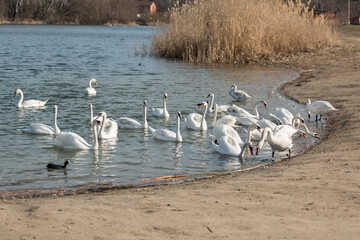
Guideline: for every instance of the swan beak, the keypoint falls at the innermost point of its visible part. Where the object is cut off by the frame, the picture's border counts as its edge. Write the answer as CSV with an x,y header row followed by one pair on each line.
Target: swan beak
x,y
265,105
96,82
257,151
200,104
98,122
304,135
14,93
145,104
317,136
259,129
309,115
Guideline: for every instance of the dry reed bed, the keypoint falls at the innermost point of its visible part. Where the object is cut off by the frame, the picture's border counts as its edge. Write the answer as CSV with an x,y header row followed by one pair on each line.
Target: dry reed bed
x,y
240,31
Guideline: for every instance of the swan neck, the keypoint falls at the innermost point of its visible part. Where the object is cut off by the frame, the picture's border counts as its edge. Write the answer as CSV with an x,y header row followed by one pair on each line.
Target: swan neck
x,y
90,83
102,129
256,110
212,103
305,128
267,134
215,115
145,123
91,113
96,141
203,117
178,135
56,128
21,99
164,105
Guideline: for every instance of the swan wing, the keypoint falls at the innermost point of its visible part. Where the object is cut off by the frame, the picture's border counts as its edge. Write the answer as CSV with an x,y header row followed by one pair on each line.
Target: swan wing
x,y
227,120
158,112
70,140
109,131
320,107
125,122
165,134
33,103
39,128
239,112
90,91
193,121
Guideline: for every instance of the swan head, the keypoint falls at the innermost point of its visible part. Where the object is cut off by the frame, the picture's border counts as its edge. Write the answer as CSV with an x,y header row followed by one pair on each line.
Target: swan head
x,y
145,103
303,134
165,97
55,108
316,136
258,127
203,104
179,115
17,91
94,80
95,121
265,104
210,95
233,87
101,116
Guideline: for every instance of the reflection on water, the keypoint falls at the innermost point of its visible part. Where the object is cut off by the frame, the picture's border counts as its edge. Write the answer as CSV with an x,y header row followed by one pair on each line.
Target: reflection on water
x,y
62,71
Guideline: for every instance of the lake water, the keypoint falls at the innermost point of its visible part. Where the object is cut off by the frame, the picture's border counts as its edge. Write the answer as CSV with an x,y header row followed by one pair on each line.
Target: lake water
x,y
57,62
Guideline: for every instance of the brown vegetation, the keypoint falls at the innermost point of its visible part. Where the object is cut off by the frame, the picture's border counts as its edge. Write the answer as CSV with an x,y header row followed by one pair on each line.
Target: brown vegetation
x,y
241,31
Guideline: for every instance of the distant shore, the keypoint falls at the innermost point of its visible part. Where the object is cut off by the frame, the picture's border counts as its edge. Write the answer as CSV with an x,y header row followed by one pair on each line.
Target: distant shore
x,y
315,195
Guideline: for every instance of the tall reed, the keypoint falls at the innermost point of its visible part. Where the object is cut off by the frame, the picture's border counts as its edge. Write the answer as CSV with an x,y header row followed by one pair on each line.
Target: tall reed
x,y
240,31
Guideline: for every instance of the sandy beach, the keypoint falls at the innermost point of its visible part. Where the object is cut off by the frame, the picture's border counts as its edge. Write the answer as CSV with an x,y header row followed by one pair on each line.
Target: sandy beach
x,y
312,196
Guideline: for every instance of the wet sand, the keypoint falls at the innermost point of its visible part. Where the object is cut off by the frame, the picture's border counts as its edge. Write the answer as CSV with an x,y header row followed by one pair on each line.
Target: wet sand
x,y
312,196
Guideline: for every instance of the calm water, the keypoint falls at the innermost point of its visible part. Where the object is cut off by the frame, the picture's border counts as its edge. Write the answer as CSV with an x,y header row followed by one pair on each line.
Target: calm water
x,y
57,62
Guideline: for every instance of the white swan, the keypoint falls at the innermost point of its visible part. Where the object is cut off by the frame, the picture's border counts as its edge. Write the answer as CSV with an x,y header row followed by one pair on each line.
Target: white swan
x,y
229,146
284,115
221,108
162,112
222,130
238,95
90,91
39,128
290,129
227,119
242,113
110,131
125,122
196,121
279,141
319,108
28,103
70,140
263,123
167,135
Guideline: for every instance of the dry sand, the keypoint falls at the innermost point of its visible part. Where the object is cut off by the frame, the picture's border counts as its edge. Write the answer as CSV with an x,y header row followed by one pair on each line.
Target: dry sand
x,y
312,196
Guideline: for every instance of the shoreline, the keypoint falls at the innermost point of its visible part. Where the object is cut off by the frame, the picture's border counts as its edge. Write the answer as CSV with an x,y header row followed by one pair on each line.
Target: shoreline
x,y
313,195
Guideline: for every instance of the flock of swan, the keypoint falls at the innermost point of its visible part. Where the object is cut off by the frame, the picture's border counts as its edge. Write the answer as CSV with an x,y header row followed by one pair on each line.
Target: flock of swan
x,y
277,131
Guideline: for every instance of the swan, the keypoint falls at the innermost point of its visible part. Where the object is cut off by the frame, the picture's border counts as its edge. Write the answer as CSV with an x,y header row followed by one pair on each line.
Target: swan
x,y
221,108
167,135
92,117
263,123
195,121
39,128
125,122
28,103
162,112
70,140
242,113
279,141
222,130
110,131
238,95
90,91
284,115
229,146
319,108
227,119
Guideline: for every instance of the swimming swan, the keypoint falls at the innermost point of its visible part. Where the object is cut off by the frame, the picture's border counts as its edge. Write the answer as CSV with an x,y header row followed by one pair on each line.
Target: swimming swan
x,y
221,108
227,119
222,130
90,91
238,95
125,122
167,135
28,103
319,108
39,128
110,131
196,121
70,140
162,112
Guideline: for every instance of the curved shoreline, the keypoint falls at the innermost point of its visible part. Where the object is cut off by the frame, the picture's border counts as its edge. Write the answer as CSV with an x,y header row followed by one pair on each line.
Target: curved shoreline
x,y
314,195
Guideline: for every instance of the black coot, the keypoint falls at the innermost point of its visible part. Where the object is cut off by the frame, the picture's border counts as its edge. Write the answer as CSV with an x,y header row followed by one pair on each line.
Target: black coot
x,y
56,166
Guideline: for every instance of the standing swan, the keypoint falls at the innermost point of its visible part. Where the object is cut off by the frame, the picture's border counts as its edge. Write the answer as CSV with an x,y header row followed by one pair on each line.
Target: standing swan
x,y
238,95
167,135
162,112
90,91
227,145
319,108
39,128
110,131
28,103
125,122
195,121
69,140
